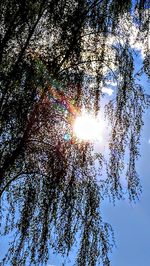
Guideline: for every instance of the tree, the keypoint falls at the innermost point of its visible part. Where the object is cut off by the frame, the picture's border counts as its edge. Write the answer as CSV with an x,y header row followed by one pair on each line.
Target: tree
x,y
50,182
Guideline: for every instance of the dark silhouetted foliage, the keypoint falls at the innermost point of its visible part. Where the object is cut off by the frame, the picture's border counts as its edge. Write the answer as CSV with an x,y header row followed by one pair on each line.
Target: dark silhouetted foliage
x,y
51,189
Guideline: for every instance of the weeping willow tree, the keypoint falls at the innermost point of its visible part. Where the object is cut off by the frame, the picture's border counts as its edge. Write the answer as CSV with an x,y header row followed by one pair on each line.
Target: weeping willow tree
x,y
51,183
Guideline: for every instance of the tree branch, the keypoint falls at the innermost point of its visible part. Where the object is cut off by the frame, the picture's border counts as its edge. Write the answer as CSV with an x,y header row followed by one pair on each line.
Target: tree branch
x,y
13,179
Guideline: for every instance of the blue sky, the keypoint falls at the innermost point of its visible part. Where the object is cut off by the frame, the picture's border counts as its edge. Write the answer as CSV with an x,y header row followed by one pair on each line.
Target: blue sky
x,y
131,222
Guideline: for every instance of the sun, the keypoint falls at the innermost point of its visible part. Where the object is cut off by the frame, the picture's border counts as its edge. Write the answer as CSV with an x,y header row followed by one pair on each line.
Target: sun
x,y
88,128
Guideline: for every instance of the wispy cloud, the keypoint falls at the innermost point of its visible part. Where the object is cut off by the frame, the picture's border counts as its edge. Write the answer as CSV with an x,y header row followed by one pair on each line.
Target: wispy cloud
x,y
108,91
111,82
149,141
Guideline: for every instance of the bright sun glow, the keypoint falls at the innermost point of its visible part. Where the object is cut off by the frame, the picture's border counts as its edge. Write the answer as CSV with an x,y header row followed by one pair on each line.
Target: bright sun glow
x,y
88,128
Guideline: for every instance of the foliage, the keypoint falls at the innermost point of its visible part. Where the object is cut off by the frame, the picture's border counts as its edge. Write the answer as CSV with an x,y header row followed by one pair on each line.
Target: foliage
x,y
50,184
